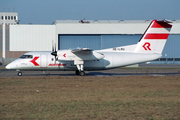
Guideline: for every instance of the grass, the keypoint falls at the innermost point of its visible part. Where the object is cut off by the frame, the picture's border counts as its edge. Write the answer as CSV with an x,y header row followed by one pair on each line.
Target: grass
x,y
76,98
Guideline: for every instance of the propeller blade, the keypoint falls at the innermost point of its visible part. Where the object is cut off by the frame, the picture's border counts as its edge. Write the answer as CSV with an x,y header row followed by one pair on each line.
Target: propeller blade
x,y
52,45
55,47
54,52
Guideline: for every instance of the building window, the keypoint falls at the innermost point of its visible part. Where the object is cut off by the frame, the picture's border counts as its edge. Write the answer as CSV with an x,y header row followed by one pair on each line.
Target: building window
x,y
169,59
162,59
11,17
2,17
177,59
8,17
14,17
5,17
157,60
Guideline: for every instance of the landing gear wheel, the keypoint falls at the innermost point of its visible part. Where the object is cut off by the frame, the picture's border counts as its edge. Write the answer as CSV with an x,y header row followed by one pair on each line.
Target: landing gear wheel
x,y
77,72
81,73
19,73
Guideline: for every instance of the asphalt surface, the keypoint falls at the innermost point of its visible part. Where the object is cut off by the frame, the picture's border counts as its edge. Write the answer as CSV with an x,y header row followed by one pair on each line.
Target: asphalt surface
x,y
142,70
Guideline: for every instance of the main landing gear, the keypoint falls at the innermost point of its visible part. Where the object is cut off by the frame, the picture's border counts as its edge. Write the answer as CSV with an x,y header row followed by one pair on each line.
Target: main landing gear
x,y
81,73
80,66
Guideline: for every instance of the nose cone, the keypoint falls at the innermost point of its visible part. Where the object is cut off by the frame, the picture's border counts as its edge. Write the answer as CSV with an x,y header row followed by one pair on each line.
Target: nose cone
x,y
12,65
8,66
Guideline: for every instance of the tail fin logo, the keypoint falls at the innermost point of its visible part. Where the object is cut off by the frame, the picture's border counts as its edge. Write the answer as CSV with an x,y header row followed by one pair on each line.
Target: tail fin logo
x,y
146,46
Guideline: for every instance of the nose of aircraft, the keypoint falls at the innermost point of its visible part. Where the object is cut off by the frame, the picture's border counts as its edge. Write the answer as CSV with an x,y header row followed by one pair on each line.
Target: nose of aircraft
x,y
12,65
8,66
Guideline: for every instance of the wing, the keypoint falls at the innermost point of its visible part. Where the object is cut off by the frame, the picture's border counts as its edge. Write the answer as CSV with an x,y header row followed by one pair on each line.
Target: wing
x,y
81,50
86,54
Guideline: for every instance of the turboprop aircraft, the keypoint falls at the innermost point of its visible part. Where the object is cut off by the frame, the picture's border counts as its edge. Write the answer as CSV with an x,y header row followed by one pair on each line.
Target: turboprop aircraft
x,y
149,48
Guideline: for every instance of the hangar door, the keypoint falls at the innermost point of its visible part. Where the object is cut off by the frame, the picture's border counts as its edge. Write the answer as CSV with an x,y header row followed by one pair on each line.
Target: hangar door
x,y
95,42
80,40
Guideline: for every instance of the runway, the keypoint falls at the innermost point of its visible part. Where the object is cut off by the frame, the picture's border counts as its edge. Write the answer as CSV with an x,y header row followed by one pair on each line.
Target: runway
x,y
143,70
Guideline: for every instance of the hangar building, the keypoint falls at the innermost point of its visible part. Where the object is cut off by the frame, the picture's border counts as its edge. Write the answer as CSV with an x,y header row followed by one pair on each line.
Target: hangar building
x,y
17,39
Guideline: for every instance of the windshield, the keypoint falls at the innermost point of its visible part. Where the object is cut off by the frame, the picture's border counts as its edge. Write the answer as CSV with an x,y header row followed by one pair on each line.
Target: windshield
x,y
26,56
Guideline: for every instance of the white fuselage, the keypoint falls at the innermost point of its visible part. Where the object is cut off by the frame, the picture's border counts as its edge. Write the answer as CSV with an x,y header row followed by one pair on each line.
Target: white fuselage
x,y
45,61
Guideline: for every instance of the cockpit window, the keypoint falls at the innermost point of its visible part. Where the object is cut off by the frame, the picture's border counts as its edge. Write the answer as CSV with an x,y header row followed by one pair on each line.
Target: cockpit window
x,y
26,56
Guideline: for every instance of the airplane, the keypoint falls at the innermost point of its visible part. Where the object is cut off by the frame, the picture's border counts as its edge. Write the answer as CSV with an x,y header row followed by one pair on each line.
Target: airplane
x,y
149,48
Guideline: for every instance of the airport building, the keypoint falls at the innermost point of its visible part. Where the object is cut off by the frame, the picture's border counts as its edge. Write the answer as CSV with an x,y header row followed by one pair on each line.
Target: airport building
x,y
17,39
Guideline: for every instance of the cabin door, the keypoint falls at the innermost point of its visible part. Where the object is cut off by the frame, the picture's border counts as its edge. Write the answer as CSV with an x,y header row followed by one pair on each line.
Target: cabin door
x,y
43,61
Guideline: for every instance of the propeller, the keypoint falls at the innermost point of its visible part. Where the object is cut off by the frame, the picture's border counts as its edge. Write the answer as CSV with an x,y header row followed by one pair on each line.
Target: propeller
x,y
54,52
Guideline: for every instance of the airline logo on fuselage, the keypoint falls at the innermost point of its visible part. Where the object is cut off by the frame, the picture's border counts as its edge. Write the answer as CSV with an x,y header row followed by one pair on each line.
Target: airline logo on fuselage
x,y
36,64
64,55
34,61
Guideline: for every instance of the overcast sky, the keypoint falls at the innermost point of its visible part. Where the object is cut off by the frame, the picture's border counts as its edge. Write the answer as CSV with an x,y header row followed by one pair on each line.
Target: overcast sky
x,y
47,11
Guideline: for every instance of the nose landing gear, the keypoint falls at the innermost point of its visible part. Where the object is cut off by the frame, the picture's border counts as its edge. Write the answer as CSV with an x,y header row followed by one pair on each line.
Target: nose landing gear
x,y
19,73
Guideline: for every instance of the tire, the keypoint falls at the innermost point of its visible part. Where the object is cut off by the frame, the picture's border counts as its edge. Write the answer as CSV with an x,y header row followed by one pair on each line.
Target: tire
x,y
19,73
77,72
82,73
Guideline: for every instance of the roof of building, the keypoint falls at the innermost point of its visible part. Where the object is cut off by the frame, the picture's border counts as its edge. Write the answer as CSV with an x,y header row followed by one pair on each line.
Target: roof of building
x,y
106,21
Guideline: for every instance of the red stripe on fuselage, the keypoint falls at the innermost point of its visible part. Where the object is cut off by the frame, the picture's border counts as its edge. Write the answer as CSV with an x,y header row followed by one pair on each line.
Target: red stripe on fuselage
x,y
57,65
34,61
155,36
